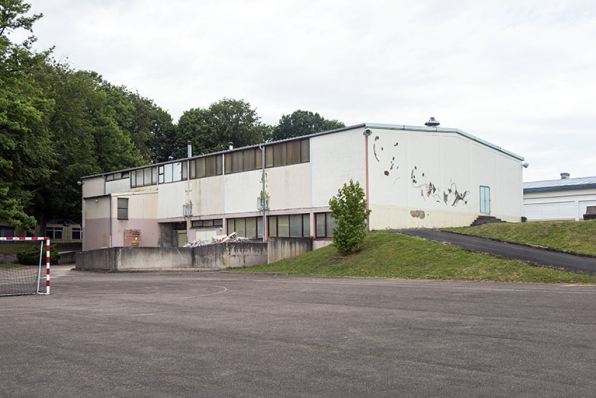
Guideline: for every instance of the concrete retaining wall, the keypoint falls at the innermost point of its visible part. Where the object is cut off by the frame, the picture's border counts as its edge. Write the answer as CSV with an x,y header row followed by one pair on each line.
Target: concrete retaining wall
x,y
231,255
282,248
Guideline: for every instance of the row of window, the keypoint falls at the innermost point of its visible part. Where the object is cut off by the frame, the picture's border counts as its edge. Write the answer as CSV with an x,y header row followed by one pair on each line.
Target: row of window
x,y
117,176
207,223
55,233
288,226
282,154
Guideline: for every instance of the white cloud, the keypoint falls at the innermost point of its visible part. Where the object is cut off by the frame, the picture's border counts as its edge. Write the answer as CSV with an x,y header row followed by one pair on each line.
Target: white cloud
x,y
518,74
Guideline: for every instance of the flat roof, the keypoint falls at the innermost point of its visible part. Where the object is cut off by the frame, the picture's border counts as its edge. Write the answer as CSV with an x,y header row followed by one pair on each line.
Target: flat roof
x,y
361,125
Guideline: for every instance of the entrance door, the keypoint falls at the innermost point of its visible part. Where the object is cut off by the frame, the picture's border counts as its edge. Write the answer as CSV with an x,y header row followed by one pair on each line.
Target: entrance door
x,y
484,200
181,238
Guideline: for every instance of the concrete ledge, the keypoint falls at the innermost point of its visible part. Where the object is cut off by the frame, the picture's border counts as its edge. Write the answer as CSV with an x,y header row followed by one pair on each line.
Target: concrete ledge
x,y
212,257
282,248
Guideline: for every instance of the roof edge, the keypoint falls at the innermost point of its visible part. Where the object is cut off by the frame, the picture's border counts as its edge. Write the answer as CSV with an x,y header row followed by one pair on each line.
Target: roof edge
x,y
444,130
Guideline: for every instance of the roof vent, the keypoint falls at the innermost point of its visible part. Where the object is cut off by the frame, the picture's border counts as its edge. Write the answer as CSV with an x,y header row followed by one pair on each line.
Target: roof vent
x,y
564,176
432,122
231,145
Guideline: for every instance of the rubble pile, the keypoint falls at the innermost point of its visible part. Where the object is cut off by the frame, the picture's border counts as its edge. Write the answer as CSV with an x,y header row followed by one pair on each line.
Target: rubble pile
x,y
216,240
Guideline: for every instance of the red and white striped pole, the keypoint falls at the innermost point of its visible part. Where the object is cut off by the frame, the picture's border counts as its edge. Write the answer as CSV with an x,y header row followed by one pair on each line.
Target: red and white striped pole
x,y
47,265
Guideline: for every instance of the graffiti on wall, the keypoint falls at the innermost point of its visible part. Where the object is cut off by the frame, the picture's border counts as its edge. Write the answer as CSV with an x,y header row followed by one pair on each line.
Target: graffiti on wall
x,y
389,164
451,196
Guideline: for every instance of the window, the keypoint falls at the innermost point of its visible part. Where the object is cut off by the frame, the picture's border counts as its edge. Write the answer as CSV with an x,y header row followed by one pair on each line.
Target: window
x,y
207,223
77,234
292,226
122,208
54,233
293,152
325,225
279,154
249,227
143,177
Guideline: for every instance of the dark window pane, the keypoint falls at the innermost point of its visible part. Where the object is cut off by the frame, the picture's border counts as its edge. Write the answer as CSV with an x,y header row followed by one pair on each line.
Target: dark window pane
x,y
306,224
272,220
237,161
269,156
251,227
240,227
207,223
259,227
296,225
197,224
201,168
231,227
218,167
283,226
218,222
293,152
320,218
279,155
133,179
147,173
228,157
153,175
259,159
304,151
139,178
330,224
210,168
249,160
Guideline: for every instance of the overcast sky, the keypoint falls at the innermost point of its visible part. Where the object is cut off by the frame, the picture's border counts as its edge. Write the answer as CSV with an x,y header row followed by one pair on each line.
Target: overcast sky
x,y
519,74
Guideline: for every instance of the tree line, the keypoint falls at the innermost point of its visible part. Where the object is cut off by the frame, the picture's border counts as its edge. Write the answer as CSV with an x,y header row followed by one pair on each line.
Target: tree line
x,y
58,124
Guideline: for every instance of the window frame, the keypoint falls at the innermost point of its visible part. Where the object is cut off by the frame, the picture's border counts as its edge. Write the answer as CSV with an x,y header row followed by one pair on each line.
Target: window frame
x,y
119,207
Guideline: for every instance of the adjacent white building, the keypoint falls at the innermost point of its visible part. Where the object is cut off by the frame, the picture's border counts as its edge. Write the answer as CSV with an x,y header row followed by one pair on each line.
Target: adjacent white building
x,y
412,176
562,199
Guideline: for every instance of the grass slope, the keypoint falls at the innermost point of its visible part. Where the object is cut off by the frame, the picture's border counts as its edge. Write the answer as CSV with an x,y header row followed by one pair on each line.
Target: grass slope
x,y
386,255
574,236
8,266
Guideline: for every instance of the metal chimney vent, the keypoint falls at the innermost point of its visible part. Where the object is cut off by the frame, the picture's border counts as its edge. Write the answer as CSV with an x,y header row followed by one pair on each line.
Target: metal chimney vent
x,y
432,122
231,145
564,176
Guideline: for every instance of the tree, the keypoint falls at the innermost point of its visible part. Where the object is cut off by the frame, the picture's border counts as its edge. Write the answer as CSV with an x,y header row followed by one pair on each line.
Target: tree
x,y
25,149
212,129
302,123
348,209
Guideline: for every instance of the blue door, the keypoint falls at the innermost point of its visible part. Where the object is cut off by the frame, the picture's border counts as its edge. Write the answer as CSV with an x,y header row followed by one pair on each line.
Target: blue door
x,y
484,199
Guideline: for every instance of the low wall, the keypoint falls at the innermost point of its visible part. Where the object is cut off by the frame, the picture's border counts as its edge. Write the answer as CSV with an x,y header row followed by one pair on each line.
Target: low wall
x,y
216,257
282,248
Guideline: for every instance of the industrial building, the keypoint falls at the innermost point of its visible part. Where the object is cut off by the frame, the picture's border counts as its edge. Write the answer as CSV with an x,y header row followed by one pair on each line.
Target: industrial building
x,y
413,177
562,199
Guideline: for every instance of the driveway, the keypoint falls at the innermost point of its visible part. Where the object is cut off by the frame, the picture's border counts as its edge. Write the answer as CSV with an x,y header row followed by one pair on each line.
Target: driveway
x,y
568,262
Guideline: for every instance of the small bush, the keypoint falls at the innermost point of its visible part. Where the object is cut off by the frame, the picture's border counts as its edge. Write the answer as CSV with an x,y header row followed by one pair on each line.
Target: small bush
x,y
348,208
31,256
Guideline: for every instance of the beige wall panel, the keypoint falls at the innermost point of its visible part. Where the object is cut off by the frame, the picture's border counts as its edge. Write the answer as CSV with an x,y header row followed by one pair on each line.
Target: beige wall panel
x,y
93,187
242,190
335,159
97,208
288,187
139,206
118,186
148,231
207,196
171,198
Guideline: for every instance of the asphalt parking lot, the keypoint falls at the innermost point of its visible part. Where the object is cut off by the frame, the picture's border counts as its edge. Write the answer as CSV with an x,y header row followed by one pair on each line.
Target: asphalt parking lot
x,y
190,334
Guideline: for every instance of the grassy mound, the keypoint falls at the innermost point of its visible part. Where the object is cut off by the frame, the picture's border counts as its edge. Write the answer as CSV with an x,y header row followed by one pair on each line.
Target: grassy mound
x,y
574,236
386,255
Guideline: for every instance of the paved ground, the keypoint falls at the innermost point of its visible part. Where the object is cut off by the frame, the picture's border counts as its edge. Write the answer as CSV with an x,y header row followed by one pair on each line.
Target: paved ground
x,y
568,262
226,335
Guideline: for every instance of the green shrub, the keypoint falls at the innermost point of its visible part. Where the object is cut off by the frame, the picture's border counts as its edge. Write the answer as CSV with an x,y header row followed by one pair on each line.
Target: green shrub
x,y
31,256
348,208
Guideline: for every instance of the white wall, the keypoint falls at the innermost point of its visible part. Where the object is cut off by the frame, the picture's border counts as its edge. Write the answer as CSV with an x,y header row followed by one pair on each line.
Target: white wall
x,y
335,159
567,204
432,179
119,186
